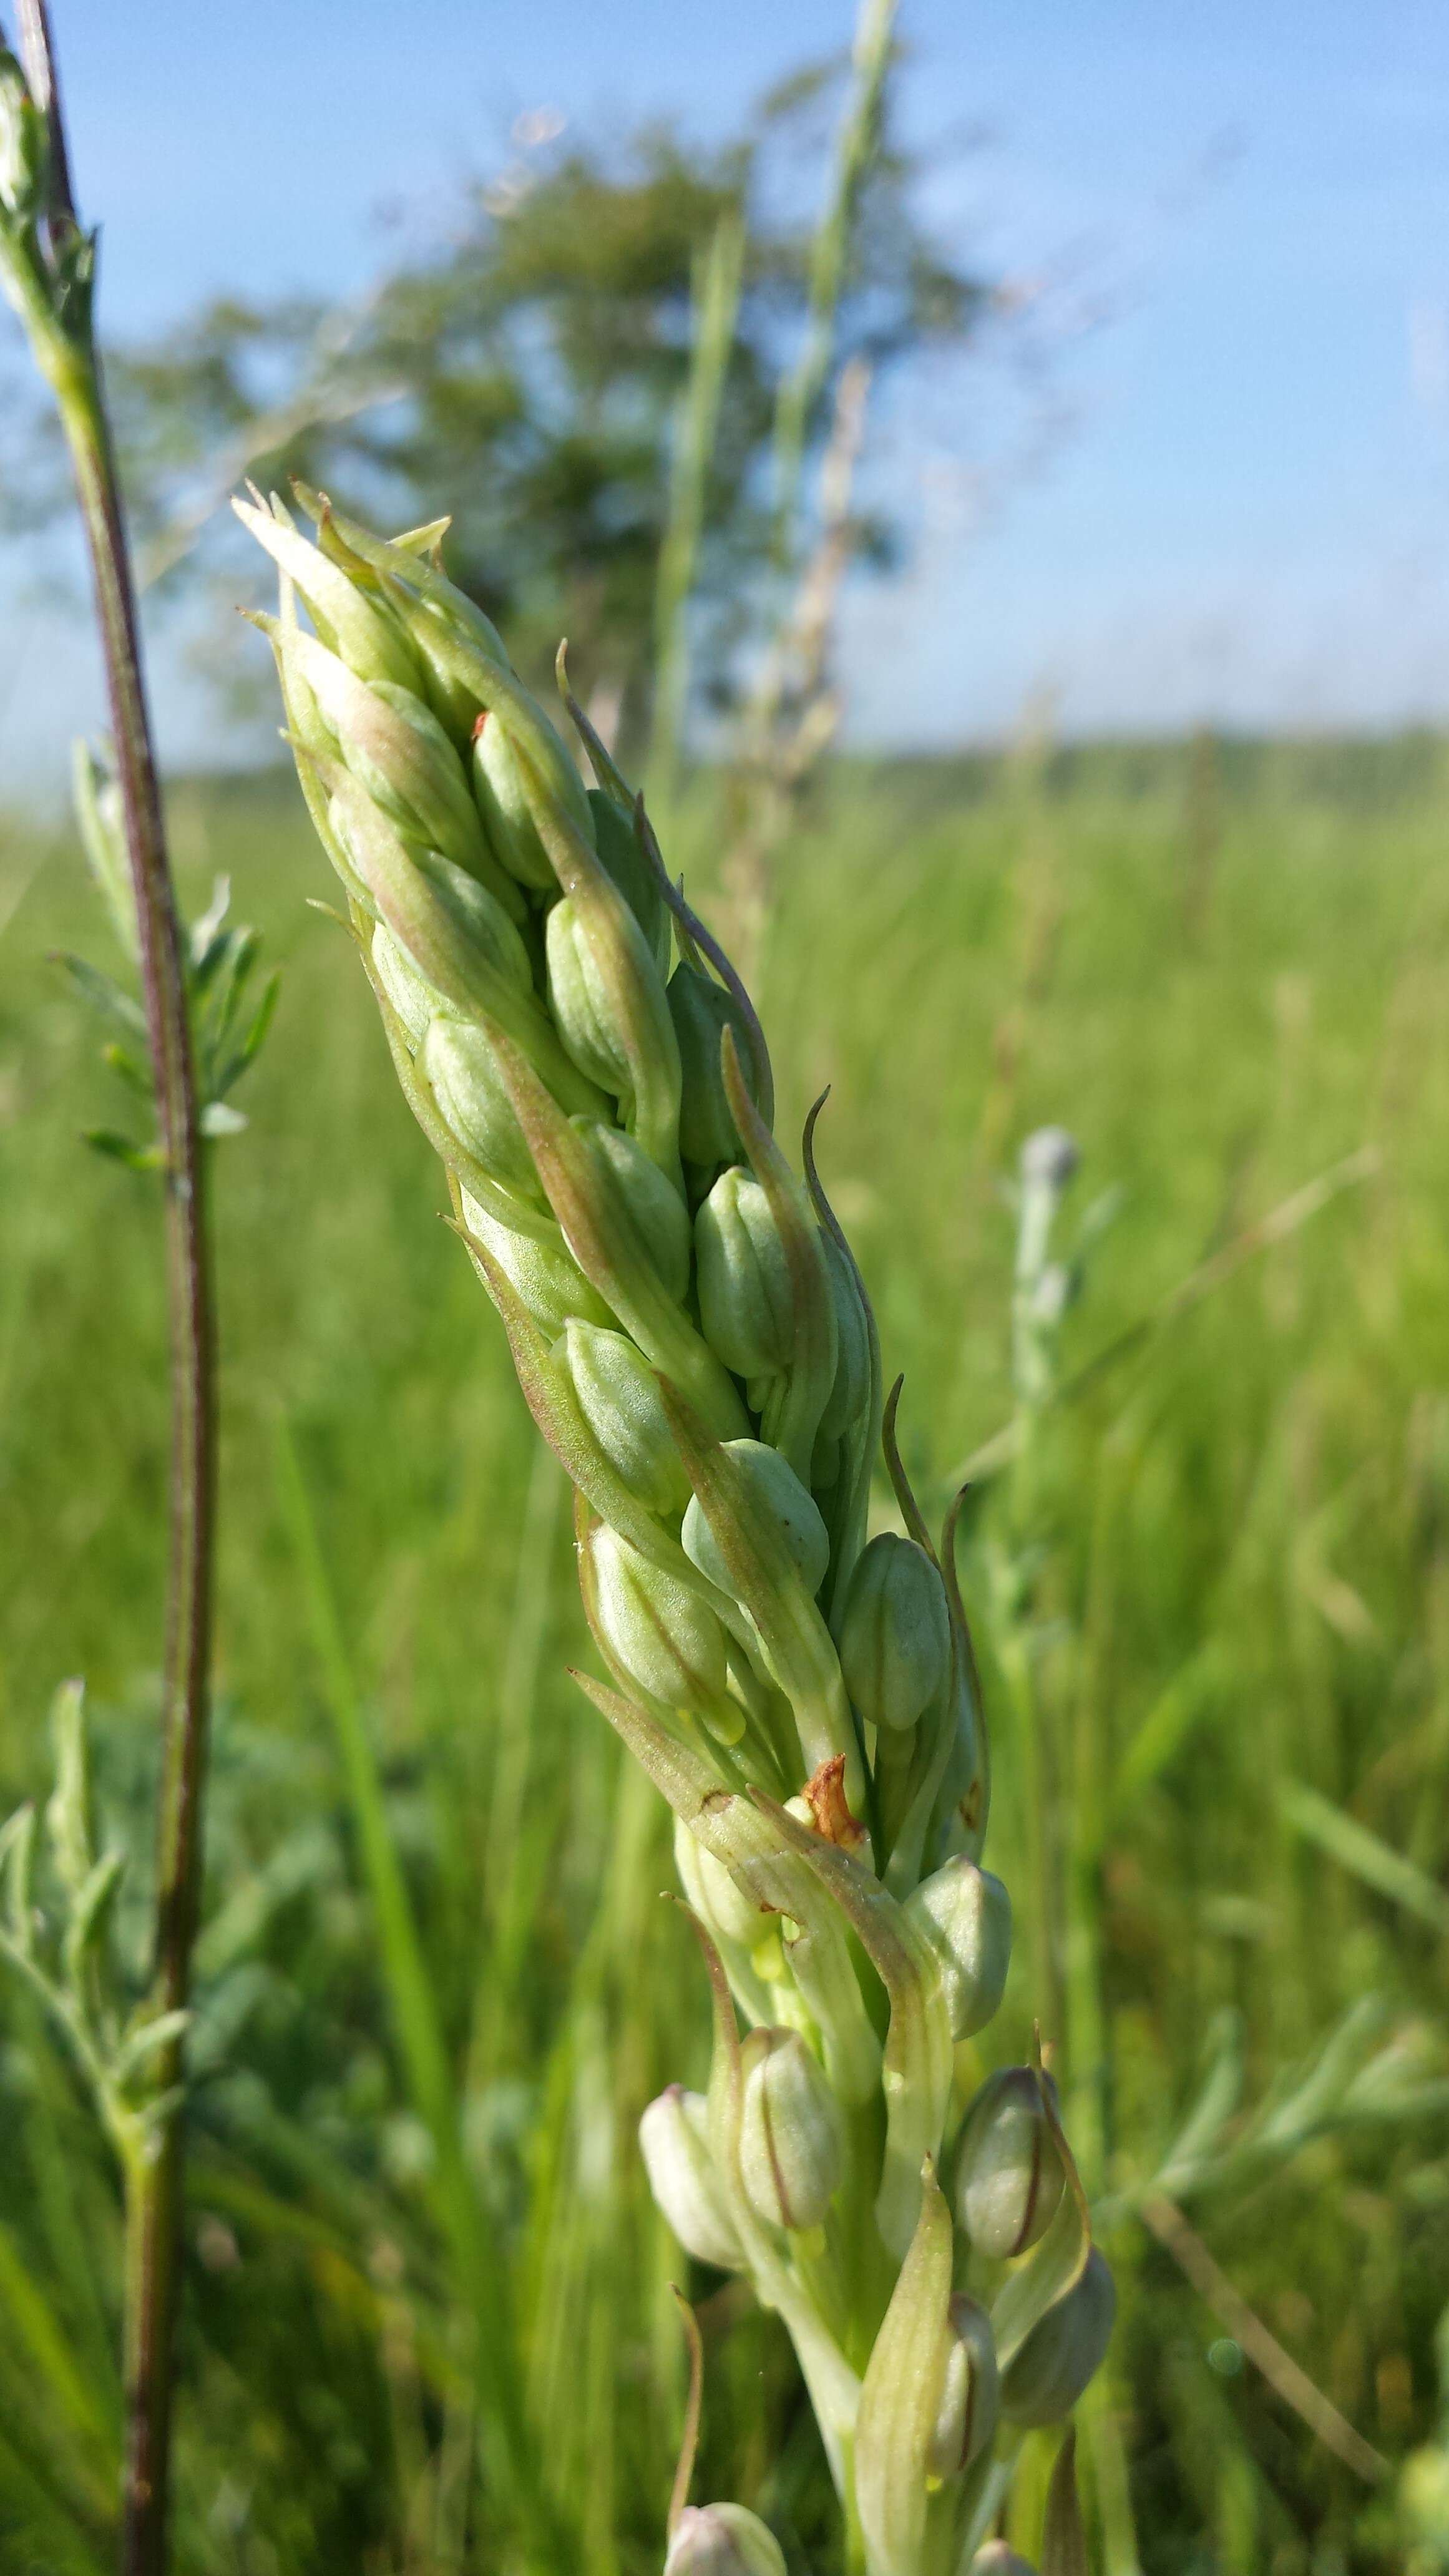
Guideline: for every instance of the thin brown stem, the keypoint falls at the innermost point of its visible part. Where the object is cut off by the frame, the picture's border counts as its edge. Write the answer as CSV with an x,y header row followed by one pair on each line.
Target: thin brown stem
x,y
67,354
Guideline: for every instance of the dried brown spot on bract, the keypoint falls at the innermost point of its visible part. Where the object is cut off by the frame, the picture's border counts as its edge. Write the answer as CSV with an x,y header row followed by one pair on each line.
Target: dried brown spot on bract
x,y
830,1813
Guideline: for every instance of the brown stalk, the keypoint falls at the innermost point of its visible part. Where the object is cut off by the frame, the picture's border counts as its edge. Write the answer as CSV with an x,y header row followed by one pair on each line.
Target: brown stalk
x,y
68,357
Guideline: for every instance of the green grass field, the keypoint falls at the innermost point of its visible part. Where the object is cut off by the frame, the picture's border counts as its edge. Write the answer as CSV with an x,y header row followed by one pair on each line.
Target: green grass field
x,y
1213,1610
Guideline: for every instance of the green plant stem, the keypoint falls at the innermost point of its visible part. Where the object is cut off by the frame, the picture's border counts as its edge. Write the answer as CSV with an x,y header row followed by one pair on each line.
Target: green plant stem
x,y
68,359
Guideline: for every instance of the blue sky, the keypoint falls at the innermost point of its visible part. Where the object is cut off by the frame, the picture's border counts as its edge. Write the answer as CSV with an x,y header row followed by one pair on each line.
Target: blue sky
x,y
1241,215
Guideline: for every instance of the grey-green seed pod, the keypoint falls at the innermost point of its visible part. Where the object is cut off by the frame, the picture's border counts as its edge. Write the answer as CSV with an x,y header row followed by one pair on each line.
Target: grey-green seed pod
x,y
503,801
1009,2174
674,2142
745,1303
617,844
552,1287
895,1638
790,2149
653,1201
722,1906
998,2558
701,1012
619,1395
462,1073
723,2540
667,1639
1063,2352
966,2415
965,1914
779,1500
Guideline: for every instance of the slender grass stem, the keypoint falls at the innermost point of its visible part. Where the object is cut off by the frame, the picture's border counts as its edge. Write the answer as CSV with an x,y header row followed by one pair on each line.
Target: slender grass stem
x,y
65,350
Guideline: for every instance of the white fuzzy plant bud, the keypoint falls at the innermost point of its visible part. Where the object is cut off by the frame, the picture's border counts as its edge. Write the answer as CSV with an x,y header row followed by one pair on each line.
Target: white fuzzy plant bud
x,y
674,2143
723,2540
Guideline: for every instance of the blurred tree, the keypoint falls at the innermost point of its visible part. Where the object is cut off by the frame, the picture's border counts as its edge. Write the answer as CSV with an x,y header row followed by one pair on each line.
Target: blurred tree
x,y
529,372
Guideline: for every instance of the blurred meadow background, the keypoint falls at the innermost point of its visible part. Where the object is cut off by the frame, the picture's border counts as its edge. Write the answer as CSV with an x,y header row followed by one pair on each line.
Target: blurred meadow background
x,y
694,381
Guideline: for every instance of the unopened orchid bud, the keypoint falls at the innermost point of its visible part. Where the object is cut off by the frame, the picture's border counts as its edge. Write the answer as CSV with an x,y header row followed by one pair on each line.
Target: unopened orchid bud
x,y
998,2558
503,799
716,1896
778,1505
723,2540
617,843
1062,2353
666,1639
850,1390
653,1202
398,753
965,1914
966,2414
701,1011
551,1285
745,1301
619,1396
1009,2174
415,1001
674,2142
462,1073
895,1638
790,2147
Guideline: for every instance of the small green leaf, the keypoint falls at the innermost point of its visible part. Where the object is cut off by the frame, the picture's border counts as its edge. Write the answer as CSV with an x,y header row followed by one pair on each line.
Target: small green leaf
x,y
122,1149
90,1914
68,1813
17,1854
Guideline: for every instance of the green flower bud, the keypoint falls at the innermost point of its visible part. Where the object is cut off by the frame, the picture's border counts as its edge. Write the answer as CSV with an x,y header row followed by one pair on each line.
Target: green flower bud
x,y
790,2148
998,2558
779,1500
412,997
365,632
609,1004
1060,2355
745,1304
652,1200
666,1639
1009,2175
850,1393
674,2142
617,844
723,2540
503,799
965,1914
619,1397
552,1286
720,1902
895,1638
701,1011
462,1072
966,2415
457,937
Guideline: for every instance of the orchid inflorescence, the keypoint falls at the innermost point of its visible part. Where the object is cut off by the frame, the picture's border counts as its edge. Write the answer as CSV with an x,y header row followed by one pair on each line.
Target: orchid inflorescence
x,y
695,1342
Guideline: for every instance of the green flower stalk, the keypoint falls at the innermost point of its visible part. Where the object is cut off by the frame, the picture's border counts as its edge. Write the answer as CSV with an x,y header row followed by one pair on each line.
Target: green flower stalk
x,y
695,1342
